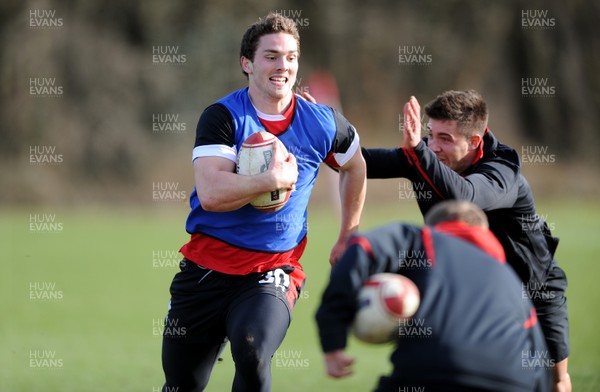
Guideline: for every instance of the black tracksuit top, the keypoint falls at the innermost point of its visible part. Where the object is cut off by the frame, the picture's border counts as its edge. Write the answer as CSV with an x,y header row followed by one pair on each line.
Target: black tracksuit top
x,y
494,183
474,327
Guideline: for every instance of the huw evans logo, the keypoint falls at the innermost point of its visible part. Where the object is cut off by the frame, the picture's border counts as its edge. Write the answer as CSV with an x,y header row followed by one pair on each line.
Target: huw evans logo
x,y
298,153
414,55
537,291
415,190
414,259
537,88
44,155
414,328
44,20
44,291
44,223
168,54
290,359
531,223
45,359
164,123
165,258
537,359
170,327
537,155
167,191
45,88
285,222
537,19
299,88
402,125
296,16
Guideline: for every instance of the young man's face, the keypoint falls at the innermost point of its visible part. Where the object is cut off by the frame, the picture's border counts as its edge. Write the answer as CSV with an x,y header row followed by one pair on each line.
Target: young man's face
x,y
450,146
273,72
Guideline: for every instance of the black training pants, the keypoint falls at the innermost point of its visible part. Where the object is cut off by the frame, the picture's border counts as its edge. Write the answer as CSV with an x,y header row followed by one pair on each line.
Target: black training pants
x,y
207,309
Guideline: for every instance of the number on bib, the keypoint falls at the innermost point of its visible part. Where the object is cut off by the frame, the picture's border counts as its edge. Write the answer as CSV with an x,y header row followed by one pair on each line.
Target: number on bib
x,y
277,277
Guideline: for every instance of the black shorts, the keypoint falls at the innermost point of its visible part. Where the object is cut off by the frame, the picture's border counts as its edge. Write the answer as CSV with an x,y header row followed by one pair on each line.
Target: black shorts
x,y
208,308
201,299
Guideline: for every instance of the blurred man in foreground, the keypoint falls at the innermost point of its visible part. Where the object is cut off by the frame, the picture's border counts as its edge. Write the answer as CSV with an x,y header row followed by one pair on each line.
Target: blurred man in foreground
x,y
473,331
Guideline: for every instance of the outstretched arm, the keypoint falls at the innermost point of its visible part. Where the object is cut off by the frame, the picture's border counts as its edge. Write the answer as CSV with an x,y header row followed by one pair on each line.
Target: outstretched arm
x,y
393,162
353,188
492,186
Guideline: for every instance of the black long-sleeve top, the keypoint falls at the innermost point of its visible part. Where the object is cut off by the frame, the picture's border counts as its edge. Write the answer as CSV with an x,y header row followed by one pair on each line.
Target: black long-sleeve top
x,y
494,183
473,327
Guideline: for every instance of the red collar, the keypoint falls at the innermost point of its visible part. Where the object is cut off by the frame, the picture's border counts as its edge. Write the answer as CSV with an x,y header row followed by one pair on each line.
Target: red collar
x,y
279,126
476,235
480,149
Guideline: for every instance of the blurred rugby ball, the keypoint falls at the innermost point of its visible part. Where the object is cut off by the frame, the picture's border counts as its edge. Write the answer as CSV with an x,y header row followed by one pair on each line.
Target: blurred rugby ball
x,y
383,301
254,158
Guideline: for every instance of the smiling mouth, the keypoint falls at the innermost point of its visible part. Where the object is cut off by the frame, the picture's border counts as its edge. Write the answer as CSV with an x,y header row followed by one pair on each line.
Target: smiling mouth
x,y
279,80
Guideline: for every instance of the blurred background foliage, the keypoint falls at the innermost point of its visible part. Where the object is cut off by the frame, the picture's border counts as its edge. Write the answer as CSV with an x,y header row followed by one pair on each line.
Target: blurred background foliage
x,y
102,56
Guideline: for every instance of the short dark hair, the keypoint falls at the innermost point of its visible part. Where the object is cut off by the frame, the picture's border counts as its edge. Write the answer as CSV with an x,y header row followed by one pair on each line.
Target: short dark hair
x,y
466,107
270,24
456,210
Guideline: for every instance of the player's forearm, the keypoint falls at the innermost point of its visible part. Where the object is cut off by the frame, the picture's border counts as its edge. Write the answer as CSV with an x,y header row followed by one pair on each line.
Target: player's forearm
x,y
338,303
562,379
353,189
332,338
335,315
385,162
223,191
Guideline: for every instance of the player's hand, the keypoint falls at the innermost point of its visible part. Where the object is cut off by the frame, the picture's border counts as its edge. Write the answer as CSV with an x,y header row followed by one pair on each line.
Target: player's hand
x,y
562,386
283,168
412,123
338,364
562,379
308,97
562,383
337,251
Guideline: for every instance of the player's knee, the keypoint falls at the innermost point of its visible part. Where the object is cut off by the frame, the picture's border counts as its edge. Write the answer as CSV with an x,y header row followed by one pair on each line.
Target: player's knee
x,y
249,355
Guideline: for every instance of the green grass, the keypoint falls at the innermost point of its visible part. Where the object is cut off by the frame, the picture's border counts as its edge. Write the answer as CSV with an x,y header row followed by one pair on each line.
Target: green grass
x,y
100,328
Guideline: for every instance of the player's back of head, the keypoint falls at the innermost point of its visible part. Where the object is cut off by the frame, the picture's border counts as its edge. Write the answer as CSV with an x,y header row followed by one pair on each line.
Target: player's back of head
x,y
456,210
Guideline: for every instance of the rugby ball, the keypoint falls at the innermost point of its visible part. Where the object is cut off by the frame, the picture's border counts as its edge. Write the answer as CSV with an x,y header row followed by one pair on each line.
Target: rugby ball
x,y
254,158
383,301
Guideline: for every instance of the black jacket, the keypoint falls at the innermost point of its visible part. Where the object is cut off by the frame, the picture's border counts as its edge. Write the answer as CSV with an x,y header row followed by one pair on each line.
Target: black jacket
x,y
494,183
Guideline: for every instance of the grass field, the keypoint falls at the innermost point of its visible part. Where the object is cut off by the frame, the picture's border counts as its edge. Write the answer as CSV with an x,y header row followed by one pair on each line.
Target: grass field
x,y
84,293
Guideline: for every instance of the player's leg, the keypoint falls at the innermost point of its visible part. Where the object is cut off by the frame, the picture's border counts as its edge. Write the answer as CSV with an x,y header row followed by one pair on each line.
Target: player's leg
x,y
188,366
194,330
256,326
